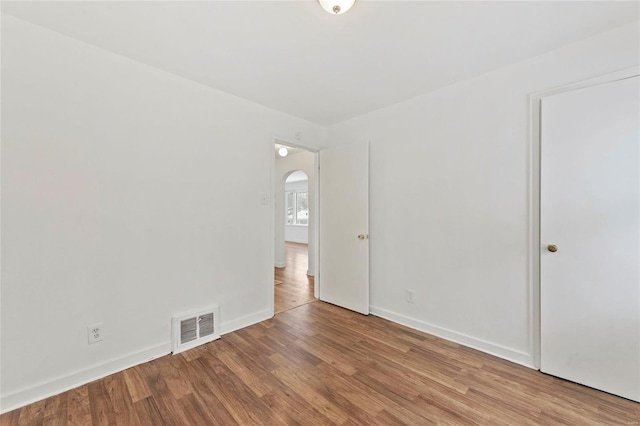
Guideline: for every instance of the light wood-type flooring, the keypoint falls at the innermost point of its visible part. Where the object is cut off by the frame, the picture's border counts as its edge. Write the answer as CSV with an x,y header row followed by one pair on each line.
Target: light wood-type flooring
x,y
297,287
320,364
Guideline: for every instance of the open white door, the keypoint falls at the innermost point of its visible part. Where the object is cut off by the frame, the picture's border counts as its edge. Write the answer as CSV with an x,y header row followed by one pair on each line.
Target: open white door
x,y
344,226
590,237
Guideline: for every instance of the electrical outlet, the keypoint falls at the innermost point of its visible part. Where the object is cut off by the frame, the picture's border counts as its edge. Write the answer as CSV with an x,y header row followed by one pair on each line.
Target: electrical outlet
x,y
94,333
410,296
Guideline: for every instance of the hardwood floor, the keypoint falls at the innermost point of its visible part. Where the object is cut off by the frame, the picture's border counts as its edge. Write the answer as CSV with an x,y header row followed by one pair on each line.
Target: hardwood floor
x,y
320,364
297,287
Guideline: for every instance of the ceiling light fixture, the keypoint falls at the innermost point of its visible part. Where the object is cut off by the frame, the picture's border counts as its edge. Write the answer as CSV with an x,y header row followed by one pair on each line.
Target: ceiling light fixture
x,y
282,152
336,7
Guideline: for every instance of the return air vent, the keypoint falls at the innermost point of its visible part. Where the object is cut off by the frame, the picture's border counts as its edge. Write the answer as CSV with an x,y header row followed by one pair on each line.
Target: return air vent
x,y
206,325
188,330
194,329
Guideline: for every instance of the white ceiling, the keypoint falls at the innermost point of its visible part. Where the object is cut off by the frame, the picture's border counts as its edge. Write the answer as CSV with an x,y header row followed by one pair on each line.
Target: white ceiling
x,y
294,57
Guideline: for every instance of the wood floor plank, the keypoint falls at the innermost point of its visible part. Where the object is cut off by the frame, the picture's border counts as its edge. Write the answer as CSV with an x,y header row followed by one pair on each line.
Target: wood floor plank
x,y
388,419
10,418
206,397
120,398
421,366
291,406
294,379
161,400
244,373
147,409
55,411
102,411
327,382
170,369
296,287
358,396
78,409
33,414
486,383
318,364
387,392
294,409
292,355
327,354
196,412
138,389
243,405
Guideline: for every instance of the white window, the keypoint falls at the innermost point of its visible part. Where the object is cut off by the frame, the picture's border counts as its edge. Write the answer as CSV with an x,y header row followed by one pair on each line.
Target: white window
x,y
297,208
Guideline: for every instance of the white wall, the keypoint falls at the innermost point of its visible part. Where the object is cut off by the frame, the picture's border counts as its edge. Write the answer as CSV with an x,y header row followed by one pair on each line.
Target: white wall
x,y
115,208
115,204
450,197
304,161
296,233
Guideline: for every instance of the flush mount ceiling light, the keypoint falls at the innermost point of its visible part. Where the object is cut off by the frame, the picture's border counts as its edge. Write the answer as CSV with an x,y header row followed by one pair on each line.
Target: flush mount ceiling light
x,y
336,7
282,152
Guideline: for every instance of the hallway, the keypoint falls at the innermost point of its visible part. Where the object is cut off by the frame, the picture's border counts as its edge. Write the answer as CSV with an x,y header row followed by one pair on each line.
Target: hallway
x,y
293,287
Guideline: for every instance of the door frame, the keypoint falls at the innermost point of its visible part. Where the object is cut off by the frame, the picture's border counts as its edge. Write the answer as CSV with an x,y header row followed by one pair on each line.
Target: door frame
x,y
535,144
272,215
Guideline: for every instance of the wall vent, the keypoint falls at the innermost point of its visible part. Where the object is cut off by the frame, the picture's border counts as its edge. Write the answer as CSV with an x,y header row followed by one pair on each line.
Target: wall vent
x,y
194,329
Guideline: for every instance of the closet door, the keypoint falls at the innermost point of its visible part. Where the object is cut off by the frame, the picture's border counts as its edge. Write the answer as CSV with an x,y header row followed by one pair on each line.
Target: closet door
x,y
590,237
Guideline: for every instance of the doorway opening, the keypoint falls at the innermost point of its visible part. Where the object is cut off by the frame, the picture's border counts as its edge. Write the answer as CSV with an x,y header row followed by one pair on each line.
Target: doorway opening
x,y
294,216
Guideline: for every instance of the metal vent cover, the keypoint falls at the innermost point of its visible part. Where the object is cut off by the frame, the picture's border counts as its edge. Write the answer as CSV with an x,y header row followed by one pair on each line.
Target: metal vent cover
x,y
188,330
195,328
205,324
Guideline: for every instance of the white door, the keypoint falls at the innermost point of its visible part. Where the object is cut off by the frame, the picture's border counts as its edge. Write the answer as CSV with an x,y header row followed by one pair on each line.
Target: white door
x,y
590,210
344,226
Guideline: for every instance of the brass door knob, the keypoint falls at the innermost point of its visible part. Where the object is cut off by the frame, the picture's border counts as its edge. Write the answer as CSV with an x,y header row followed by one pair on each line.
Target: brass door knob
x,y
362,236
552,248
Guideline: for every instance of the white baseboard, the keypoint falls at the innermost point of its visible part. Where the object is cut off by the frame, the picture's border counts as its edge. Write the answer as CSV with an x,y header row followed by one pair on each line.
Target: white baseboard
x,y
512,355
280,264
246,321
64,383
61,384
